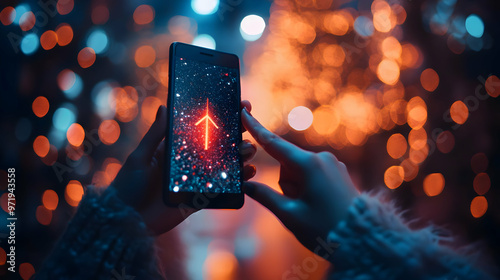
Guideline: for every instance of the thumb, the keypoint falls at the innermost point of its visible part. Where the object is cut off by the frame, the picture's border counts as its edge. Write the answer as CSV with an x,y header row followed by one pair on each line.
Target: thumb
x,y
268,197
153,137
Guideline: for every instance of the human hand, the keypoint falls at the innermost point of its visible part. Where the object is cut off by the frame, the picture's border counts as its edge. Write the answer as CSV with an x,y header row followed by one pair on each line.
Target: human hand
x,y
317,189
139,182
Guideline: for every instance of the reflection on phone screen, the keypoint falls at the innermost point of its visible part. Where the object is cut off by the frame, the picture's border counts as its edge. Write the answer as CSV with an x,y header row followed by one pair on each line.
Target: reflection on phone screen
x,y
206,132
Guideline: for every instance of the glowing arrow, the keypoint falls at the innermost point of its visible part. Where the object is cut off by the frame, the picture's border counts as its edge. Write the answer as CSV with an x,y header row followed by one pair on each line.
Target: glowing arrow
x,y
206,118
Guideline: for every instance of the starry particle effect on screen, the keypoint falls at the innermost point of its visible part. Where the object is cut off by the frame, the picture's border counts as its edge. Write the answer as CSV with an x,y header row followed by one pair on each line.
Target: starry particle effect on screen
x,y
204,160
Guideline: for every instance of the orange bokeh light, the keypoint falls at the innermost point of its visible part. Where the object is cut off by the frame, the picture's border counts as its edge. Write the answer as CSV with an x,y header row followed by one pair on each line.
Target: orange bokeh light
x,y
145,56
417,138
338,22
66,79
396,145
479,162
86,57
64,34
394,176
482,183
7,15
492,86
40,106
388,71
125,102
144,14
459,112
391,48
100,14
478,206
429,79
417,112
75,134
3,256
433,184
109,132
410,169
43,215
64,7
26,270
41,146
27,21
50,199
48,40
74,192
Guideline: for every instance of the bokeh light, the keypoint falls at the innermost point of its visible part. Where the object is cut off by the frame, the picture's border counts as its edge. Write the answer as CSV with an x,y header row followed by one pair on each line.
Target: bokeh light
x,y
64,34
145,56
429,79
48,40
7,15
86,57
29,44
27,21
50,199
459,112
434,184
205,7
41,146
109,132
144,14
482,183
394,176
26,270
492,86
100,14
75,134
479,163
300,118
205,41
396,145
478,206
98,41
252,27
64,116
43,215
40,106
73,193
474,26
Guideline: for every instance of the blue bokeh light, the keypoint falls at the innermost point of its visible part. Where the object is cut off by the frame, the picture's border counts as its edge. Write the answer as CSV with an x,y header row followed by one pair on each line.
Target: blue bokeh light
x,y
474,26
205,41
20,10
75,90
98,40
29,44
363,26
205,7
64,116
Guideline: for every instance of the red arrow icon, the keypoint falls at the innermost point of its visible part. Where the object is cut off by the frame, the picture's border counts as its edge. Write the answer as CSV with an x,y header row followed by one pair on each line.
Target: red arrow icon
x,y
206,118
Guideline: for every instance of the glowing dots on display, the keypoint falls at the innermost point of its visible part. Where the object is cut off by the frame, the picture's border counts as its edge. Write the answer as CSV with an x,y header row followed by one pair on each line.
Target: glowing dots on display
x,y
205,7
205,41
29,44
474,26
98,41
252,27
363,26
300,118
176,189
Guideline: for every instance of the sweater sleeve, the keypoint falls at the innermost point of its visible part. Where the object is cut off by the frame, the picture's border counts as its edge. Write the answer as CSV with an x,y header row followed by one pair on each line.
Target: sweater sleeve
x,y
377,243
106,239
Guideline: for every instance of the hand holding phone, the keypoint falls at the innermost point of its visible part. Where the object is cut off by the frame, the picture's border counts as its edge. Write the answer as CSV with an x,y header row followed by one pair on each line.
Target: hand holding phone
x,y
203,164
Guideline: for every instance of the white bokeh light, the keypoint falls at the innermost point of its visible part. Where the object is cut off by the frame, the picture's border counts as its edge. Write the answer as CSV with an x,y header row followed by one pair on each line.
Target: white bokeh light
x,y
205,7
300,118
252,27
204,40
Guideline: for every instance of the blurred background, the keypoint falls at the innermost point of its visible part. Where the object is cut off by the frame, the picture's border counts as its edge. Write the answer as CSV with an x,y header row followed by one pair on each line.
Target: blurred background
x,y
404,92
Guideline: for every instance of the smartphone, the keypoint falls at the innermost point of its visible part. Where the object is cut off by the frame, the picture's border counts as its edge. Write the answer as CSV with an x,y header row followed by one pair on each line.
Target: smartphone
x,y
203,166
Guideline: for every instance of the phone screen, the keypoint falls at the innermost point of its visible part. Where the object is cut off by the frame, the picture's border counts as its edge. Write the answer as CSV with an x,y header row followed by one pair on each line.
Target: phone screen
x,y
206,128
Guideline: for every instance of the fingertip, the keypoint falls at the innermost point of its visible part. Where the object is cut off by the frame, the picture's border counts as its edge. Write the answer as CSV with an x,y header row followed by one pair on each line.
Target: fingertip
x,y
247,105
